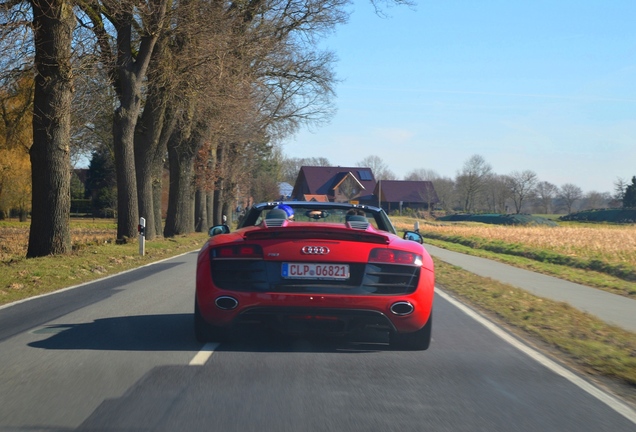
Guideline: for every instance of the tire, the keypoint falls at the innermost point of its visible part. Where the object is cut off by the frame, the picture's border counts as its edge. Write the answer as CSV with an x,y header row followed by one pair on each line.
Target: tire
x,y
418,340
205,332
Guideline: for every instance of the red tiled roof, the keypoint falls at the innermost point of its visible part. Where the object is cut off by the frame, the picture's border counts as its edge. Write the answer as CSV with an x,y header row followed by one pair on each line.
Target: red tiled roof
x,y
318,180
318,198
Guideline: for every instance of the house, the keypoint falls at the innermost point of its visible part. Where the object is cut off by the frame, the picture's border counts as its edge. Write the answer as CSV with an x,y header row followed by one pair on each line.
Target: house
x,y
356,184
335,184
398,194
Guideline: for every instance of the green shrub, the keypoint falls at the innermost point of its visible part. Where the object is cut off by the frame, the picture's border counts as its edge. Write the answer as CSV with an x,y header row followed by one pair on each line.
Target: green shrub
x,y
500,219
624,215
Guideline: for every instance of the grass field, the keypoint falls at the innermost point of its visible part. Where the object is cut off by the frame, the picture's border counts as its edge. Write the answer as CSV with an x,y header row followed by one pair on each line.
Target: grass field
x,y
14,235
611,243
601,256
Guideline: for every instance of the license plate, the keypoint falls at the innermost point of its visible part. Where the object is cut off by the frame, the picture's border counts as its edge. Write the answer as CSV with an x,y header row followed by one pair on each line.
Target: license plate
x,y
315,271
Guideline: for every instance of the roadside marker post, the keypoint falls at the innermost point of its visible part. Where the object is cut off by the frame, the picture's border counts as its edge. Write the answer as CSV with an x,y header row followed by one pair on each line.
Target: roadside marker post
x,y
141,228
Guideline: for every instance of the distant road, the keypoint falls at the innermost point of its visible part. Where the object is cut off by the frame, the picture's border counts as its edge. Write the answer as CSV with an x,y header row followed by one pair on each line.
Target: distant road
x,y
115,355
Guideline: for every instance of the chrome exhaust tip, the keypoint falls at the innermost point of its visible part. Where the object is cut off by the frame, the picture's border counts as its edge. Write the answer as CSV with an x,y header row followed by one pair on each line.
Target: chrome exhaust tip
x,y
402,308
226,302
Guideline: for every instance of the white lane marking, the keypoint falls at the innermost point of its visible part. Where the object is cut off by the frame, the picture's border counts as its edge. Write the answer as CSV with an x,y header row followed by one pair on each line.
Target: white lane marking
x,y
205,353
599,394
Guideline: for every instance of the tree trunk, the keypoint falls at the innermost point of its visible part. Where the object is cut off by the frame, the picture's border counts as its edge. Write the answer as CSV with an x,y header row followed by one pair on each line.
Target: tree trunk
x,y
53,23
211,164
209,202
181,155
123,134
157,201
169,125
217,218
200,211
129,74
147,151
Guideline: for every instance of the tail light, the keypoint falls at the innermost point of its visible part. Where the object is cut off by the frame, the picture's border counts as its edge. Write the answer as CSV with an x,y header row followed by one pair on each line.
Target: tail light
x,y
238,251
394,256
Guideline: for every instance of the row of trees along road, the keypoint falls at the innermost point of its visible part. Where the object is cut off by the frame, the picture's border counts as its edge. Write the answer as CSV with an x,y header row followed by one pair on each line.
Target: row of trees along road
x,y
477,188
218,81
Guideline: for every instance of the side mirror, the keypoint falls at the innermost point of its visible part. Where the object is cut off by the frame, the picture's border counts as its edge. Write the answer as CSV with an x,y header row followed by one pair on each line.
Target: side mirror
x,y
219,229
413,236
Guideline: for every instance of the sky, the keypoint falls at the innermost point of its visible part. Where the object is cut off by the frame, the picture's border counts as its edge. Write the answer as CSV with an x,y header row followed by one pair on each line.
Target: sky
x,y
546,86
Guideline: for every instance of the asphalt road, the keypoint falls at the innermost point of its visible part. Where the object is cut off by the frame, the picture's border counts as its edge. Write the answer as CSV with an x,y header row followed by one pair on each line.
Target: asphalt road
x,y
119,355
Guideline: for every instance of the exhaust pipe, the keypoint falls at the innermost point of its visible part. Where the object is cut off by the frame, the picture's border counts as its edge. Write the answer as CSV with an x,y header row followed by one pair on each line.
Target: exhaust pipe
x,y
226,302
402,308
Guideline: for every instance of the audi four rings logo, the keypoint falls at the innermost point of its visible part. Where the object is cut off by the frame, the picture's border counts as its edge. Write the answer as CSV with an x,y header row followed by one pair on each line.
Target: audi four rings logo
x,y
315,250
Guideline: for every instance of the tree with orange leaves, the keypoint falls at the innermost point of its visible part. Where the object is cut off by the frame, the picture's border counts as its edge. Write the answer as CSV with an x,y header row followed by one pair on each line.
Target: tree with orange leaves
x,y
16,104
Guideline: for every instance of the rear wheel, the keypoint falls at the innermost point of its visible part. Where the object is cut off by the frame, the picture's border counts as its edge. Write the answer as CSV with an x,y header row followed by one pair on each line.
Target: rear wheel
x,y
205,332
416,341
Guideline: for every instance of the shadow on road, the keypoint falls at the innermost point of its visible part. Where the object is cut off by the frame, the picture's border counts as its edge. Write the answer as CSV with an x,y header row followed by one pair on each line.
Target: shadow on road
x,y
263,339
29,314
127,333
174,332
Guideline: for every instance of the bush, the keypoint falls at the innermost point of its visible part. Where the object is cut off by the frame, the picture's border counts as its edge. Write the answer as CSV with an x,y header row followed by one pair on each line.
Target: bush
x,y
500,219
624,215
81,206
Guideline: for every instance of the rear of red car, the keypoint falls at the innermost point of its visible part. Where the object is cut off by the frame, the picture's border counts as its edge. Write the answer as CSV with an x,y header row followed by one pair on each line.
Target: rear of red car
x,y
315,277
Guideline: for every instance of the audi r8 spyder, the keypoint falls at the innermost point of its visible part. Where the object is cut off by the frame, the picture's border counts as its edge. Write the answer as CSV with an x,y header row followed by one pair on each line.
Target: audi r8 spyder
x,y
304,267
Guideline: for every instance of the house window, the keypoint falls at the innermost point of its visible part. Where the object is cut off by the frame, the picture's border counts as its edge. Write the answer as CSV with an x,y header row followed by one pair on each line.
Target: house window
x,y
365,175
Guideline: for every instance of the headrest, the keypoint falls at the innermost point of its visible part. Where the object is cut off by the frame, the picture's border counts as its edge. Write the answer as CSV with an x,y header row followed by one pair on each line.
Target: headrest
x,y
356,218
276,214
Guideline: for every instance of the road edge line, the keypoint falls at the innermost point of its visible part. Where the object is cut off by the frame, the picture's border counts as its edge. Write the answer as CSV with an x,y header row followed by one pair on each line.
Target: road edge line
x,y
609,400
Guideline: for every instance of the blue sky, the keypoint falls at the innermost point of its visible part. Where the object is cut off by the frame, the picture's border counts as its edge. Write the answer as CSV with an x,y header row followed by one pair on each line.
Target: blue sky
x,y
548,86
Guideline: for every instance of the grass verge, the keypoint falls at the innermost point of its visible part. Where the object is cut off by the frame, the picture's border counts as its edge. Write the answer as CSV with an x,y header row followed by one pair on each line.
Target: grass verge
x,y
619,270
590,278
595,347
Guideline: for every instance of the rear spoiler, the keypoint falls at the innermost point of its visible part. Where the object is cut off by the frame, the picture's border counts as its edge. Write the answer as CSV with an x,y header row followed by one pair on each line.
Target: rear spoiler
x,y
293,231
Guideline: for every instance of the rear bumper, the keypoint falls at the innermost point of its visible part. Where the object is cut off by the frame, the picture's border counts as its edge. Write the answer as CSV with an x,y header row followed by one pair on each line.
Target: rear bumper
x,y
325,313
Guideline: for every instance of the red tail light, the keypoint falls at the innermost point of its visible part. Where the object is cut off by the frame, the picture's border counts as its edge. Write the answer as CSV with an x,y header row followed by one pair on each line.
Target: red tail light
x,y
238,251
393,256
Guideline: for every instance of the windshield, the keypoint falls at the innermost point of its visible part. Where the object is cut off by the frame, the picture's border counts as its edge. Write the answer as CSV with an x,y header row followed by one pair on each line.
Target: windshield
x,y
337,214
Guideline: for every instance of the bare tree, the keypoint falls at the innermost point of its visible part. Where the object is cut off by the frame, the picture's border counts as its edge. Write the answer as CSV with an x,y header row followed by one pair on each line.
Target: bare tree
x,y
273,81
380,169
36,36
545,192
521,186
595,200
291,166
497,193
421,174
471,180
92,116
53,23
569,193
445,189
125,55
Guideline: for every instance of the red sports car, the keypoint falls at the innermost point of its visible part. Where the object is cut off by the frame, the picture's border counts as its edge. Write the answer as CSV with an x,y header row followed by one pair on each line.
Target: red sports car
x,y
304,267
